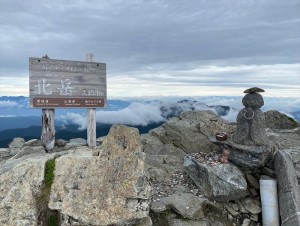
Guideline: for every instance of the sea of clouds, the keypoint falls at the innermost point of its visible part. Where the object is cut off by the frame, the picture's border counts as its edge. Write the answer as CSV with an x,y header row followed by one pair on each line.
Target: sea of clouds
x,y
144,111
141,112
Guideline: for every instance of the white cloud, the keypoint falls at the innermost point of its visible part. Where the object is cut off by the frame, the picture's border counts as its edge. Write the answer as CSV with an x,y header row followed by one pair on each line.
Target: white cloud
x,y
74,118
6,104
144,112
134,114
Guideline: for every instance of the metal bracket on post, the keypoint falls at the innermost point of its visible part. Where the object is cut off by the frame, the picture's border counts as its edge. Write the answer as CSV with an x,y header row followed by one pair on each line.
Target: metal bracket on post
x,y
91,116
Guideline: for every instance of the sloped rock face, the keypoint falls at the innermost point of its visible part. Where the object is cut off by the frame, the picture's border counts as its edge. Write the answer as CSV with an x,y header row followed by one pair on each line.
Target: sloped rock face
x,y
191,129
277,120
166,145
19,189
109,189
28,150
221,183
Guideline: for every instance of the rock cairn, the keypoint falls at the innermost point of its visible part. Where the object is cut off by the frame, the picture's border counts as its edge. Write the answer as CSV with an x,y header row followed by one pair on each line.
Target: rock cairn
x,y
251,120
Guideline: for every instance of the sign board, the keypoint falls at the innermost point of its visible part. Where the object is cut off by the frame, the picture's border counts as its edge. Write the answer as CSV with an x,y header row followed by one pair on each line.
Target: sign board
x,y
66,84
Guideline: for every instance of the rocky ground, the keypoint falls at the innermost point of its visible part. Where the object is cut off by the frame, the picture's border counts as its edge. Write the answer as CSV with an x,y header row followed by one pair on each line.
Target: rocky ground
x,y
225,194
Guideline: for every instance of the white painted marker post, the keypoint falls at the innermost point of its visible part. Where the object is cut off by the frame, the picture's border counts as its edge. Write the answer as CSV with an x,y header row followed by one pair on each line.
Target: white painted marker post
x,y
91,117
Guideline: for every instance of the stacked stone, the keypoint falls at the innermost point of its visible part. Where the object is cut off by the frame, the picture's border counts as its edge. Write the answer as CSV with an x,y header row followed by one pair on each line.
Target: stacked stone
x,y
251,120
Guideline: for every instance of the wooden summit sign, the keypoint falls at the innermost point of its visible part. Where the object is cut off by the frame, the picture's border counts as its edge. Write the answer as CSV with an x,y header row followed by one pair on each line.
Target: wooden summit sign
x,y
66,84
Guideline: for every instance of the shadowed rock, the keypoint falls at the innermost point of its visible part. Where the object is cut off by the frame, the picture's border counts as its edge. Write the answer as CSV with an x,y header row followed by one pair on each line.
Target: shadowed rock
x,y
221,183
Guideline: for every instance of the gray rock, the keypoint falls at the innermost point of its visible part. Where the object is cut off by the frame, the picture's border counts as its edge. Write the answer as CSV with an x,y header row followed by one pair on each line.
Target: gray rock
x,y
166,145
61,142
277,120
185,136
268,171
158,206
100,140
252,205
254,90
295,157
185,222
187,205
288,189
76,142
284,139
222,182
232,209
4,152
190,131
246,222
162,160
16,145
244,156
20,188
252,181
254,217
241,207
34,142
250,131
109,189
30,150
253,100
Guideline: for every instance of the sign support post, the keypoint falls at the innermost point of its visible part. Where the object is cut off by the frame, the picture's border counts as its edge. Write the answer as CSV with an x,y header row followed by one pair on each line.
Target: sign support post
x,y
48,128
91,117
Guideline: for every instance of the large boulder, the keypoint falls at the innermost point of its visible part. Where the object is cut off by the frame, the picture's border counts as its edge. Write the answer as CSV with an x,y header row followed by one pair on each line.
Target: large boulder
x,y
20,188
294,155
109,189
288,189
162,160
277,120
189,210
187,205
221,182
16,145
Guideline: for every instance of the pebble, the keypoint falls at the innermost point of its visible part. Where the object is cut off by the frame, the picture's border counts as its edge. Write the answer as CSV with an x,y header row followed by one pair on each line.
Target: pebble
x,y
246,222
254,217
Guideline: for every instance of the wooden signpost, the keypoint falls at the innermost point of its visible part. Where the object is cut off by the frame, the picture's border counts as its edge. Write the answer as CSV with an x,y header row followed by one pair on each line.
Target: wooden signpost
x,y
66,84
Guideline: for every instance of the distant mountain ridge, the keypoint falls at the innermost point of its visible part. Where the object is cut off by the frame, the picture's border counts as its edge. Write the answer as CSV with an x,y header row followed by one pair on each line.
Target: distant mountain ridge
x,y
18,120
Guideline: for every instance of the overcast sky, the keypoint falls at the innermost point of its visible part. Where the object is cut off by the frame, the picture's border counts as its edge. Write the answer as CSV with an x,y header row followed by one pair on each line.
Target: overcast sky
x,y
163,47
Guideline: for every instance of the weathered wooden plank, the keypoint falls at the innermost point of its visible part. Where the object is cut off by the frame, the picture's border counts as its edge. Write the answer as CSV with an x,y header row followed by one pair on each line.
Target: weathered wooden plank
x,y
48,129
54,65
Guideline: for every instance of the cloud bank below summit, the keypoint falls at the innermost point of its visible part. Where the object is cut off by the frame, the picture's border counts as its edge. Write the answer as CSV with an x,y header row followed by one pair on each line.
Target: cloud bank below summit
x,y
147,112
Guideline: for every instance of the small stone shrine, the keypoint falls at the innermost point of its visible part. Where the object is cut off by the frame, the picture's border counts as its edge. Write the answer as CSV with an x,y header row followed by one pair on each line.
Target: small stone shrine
x,y
250,128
